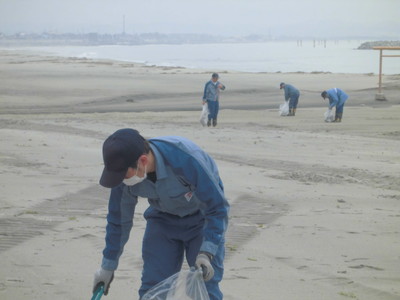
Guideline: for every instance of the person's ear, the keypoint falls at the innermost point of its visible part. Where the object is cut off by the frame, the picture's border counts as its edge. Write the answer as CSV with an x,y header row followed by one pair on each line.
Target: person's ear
x,y
143,159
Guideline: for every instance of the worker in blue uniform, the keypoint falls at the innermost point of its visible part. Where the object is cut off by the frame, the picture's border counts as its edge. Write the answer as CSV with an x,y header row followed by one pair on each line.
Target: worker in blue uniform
x,y
337,98
187,215
211,96
292,95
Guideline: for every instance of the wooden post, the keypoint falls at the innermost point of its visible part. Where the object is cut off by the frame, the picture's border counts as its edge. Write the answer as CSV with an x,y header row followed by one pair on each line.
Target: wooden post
x,y
380,71
380,95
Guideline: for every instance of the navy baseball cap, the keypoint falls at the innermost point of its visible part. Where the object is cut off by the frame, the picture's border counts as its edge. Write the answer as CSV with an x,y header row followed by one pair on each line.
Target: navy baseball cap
x,y
121,150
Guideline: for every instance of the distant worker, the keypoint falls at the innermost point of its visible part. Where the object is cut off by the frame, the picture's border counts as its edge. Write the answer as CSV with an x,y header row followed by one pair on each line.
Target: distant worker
x,y
211,96
292,95
337,98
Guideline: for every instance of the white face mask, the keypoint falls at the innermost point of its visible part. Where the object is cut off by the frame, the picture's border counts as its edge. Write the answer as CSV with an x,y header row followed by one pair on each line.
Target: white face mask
x,y
136,179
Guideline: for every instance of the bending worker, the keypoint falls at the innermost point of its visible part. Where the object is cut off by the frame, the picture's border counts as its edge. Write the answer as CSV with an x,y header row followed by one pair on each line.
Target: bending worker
x,y
187,215
292,95
337,98
211,96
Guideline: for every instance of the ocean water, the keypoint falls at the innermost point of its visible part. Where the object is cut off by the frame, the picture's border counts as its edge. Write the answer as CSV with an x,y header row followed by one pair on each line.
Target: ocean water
x,y
289,56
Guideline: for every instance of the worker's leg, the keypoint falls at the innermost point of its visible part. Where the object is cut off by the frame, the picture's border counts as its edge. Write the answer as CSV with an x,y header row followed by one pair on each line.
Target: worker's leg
x,y
212,109
216,113
164,242
210,112
162,254
339,112
295,102
192,236
290,106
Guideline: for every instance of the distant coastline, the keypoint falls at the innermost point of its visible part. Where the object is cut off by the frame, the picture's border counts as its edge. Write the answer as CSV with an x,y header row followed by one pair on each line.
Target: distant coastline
x,y
370,45
99,39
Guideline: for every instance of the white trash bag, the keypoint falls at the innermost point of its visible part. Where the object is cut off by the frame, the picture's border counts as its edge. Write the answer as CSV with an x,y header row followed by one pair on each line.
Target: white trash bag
x,y
204,115
284,109
329,116
184,285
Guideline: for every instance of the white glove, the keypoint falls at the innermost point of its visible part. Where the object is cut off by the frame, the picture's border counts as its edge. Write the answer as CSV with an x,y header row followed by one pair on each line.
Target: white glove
x,y
103,276
203,263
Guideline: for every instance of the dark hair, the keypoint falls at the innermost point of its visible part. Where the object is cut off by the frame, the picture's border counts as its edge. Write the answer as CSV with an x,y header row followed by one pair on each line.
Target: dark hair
x,y
146,150
324,94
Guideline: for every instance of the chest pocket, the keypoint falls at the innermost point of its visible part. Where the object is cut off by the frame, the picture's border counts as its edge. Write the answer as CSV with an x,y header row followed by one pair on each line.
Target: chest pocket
x,y
180,188
180,197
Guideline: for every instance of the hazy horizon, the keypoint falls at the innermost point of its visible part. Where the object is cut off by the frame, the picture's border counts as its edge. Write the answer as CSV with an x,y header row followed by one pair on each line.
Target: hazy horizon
x,y
307,18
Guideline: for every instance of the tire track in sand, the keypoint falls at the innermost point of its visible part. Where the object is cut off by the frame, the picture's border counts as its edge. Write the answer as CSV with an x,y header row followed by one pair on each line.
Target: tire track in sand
x,y
248,215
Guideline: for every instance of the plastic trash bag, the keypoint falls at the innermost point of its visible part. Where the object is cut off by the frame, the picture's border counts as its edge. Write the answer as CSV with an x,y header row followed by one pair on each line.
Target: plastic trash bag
x,y
329,116
204,115
284,109
184,285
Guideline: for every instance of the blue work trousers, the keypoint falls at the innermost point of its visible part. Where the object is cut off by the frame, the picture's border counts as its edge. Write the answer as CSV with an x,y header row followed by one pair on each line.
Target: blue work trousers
x,y
213,108
167,239
293,101
339,108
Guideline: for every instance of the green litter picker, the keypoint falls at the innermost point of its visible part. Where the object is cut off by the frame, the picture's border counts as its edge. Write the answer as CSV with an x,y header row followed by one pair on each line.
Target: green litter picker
x,y
98,292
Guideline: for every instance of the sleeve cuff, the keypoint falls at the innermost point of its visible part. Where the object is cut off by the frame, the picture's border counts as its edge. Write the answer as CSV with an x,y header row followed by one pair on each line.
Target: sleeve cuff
x,y
108,264
209,248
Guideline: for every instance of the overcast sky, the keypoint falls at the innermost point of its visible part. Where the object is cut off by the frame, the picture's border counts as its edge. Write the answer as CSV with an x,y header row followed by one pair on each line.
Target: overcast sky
x,y
300,18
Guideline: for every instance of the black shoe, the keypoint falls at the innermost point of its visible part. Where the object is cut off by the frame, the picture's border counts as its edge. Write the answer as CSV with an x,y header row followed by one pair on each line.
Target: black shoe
x,y
214,123
209,123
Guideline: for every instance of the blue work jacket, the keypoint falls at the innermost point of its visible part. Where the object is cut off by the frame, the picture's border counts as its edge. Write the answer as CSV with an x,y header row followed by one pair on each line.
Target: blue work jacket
x,y
290,91
187,181
336,97
211,91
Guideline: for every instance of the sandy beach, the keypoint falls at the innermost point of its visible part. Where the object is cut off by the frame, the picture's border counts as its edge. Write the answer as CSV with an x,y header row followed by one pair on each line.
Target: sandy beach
x,y
315,206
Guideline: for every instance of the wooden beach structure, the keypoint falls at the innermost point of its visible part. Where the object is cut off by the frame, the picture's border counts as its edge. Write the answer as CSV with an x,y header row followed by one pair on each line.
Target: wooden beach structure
x,y
380,95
